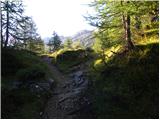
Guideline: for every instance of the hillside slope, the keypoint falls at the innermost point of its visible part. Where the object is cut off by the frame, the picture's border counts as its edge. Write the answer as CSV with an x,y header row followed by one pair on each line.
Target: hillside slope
x,y
128,86
85,37
24,84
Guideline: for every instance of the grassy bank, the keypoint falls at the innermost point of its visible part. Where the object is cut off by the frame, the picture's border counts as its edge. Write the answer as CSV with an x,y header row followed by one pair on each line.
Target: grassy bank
x,y
23,66
66,60
128,86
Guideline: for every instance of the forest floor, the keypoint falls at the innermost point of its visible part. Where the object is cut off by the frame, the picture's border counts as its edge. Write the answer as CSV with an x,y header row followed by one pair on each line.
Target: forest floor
x,y
69,98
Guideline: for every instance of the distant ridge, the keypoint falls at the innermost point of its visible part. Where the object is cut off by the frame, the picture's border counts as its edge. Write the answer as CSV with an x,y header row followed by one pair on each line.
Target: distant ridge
x,y
85,37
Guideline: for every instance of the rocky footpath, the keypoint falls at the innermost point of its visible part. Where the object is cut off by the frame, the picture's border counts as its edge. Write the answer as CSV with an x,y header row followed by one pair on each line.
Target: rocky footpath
x,y
69,98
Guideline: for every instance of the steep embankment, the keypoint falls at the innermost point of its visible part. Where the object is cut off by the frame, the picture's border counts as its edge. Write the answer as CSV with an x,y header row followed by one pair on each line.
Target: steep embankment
x,y
127,87
25,84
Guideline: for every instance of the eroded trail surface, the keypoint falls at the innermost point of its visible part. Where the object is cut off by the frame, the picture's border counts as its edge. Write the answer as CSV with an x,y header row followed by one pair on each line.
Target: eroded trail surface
x,y
69,99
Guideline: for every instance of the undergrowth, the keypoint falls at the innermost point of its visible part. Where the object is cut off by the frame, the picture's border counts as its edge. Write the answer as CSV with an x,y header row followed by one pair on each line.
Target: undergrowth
x,y
24,66
127,87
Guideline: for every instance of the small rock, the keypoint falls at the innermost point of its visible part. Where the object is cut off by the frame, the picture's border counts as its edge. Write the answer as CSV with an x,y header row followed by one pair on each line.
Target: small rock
x,y
40,113
65,107
79,73
36,86
44,85
55,93
88,103
51,81
64,86
74,84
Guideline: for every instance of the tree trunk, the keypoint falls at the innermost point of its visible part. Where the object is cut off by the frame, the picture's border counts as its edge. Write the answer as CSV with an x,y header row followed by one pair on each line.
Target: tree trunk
x,y
1,33
128,33
103,56
126,24
7,26
138,23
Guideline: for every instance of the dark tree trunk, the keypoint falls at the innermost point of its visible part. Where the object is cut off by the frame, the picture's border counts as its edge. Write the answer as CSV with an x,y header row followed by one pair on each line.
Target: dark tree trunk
x,y
7,26
138,23
1,33
103,56
128,33
126,24
25,44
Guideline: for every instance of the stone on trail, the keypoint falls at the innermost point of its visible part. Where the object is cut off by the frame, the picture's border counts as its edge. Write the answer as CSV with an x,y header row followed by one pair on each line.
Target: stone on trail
x,y
50,81
44,85
40,113
79,73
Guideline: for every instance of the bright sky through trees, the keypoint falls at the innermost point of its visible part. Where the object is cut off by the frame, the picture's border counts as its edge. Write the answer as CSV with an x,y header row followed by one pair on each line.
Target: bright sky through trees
x,y
63,16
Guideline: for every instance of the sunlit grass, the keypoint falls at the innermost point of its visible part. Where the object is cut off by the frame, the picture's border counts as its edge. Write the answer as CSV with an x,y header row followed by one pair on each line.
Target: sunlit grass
x,y
108,52
61,51
98,63
146,40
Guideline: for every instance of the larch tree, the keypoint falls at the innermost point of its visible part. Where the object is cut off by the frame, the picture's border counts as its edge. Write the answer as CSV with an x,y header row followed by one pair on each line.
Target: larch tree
x,y
15,26
117,17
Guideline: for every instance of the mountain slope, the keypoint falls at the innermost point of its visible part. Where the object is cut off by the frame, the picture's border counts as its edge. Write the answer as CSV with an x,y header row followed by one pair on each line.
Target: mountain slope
x,y
85,37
